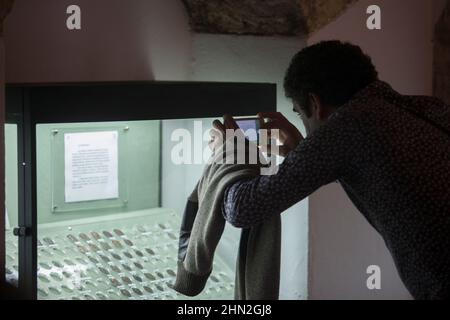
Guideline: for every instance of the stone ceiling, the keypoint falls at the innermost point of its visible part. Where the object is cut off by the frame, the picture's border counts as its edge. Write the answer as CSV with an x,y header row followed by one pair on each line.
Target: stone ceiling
x,y
263,17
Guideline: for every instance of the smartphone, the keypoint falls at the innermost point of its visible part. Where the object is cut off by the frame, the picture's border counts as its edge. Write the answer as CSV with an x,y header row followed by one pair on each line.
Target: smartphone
x,y
250,126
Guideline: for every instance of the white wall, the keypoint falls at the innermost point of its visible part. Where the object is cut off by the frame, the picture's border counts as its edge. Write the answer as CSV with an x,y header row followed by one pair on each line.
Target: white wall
x,y
342,243
259,59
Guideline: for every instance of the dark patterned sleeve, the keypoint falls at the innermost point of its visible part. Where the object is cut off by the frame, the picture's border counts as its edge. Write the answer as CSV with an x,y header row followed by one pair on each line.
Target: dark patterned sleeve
x,y
317,161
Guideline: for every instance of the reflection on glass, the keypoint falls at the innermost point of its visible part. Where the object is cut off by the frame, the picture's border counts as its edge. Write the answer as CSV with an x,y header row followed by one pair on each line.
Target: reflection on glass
x,y
122,246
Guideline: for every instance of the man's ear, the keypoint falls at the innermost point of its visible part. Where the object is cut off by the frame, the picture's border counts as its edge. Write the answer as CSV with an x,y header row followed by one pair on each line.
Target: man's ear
x,y
318,109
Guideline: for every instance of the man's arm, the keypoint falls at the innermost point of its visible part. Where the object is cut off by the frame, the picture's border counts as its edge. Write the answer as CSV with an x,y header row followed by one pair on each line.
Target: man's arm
x,y
318,160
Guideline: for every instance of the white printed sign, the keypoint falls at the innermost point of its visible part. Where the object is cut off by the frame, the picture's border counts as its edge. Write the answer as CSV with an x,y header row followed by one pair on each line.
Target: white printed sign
x,y
91,166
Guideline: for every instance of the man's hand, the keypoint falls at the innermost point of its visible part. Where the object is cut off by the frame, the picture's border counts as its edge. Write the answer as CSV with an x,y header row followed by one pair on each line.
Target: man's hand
x,y
289,135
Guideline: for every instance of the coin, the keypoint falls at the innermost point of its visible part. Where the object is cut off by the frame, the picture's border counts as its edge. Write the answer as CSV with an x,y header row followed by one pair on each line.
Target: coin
x,y
43,278
66,288
42,293
84,236
112,294
126,293
114,282
126,267
90,284
82,249
46,253
115,268
116,256
45,265
94,247
141,229
148,289
137,278
139,253
149,276
96,235
48,241
56,276
128,242
127,254
107,234
60,252
93,260
103,270
137,291
105,246
224,276
54,290
150,251
172,236
57,264
117,244
119,232
104,258
126,280
138,265
72,238
101,296
170,272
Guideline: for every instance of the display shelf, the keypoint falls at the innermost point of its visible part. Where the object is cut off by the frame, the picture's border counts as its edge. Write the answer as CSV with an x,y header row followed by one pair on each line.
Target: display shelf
x,y
123,256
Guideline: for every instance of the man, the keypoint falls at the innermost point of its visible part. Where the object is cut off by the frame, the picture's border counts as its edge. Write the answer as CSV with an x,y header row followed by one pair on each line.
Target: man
x,y
391,154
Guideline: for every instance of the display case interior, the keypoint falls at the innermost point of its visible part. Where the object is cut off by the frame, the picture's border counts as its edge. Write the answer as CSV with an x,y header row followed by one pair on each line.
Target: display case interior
x,y
108,183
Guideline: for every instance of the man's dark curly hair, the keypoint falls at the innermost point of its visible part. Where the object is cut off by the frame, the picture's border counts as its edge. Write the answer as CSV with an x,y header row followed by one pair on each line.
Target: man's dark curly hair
x,y
333,70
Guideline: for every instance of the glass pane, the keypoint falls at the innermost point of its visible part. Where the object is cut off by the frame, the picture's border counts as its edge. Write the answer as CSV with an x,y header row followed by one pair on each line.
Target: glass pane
x,y
110,199
11,204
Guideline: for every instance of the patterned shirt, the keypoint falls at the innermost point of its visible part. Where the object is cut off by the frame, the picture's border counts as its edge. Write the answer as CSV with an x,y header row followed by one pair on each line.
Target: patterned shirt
x,y
391,154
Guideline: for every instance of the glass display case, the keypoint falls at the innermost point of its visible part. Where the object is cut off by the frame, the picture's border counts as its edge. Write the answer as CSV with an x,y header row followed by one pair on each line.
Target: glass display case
x,y
97,176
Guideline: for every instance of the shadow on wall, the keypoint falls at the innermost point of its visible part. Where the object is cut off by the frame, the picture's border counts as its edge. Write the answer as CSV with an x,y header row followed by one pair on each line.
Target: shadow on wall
x,y
441,76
